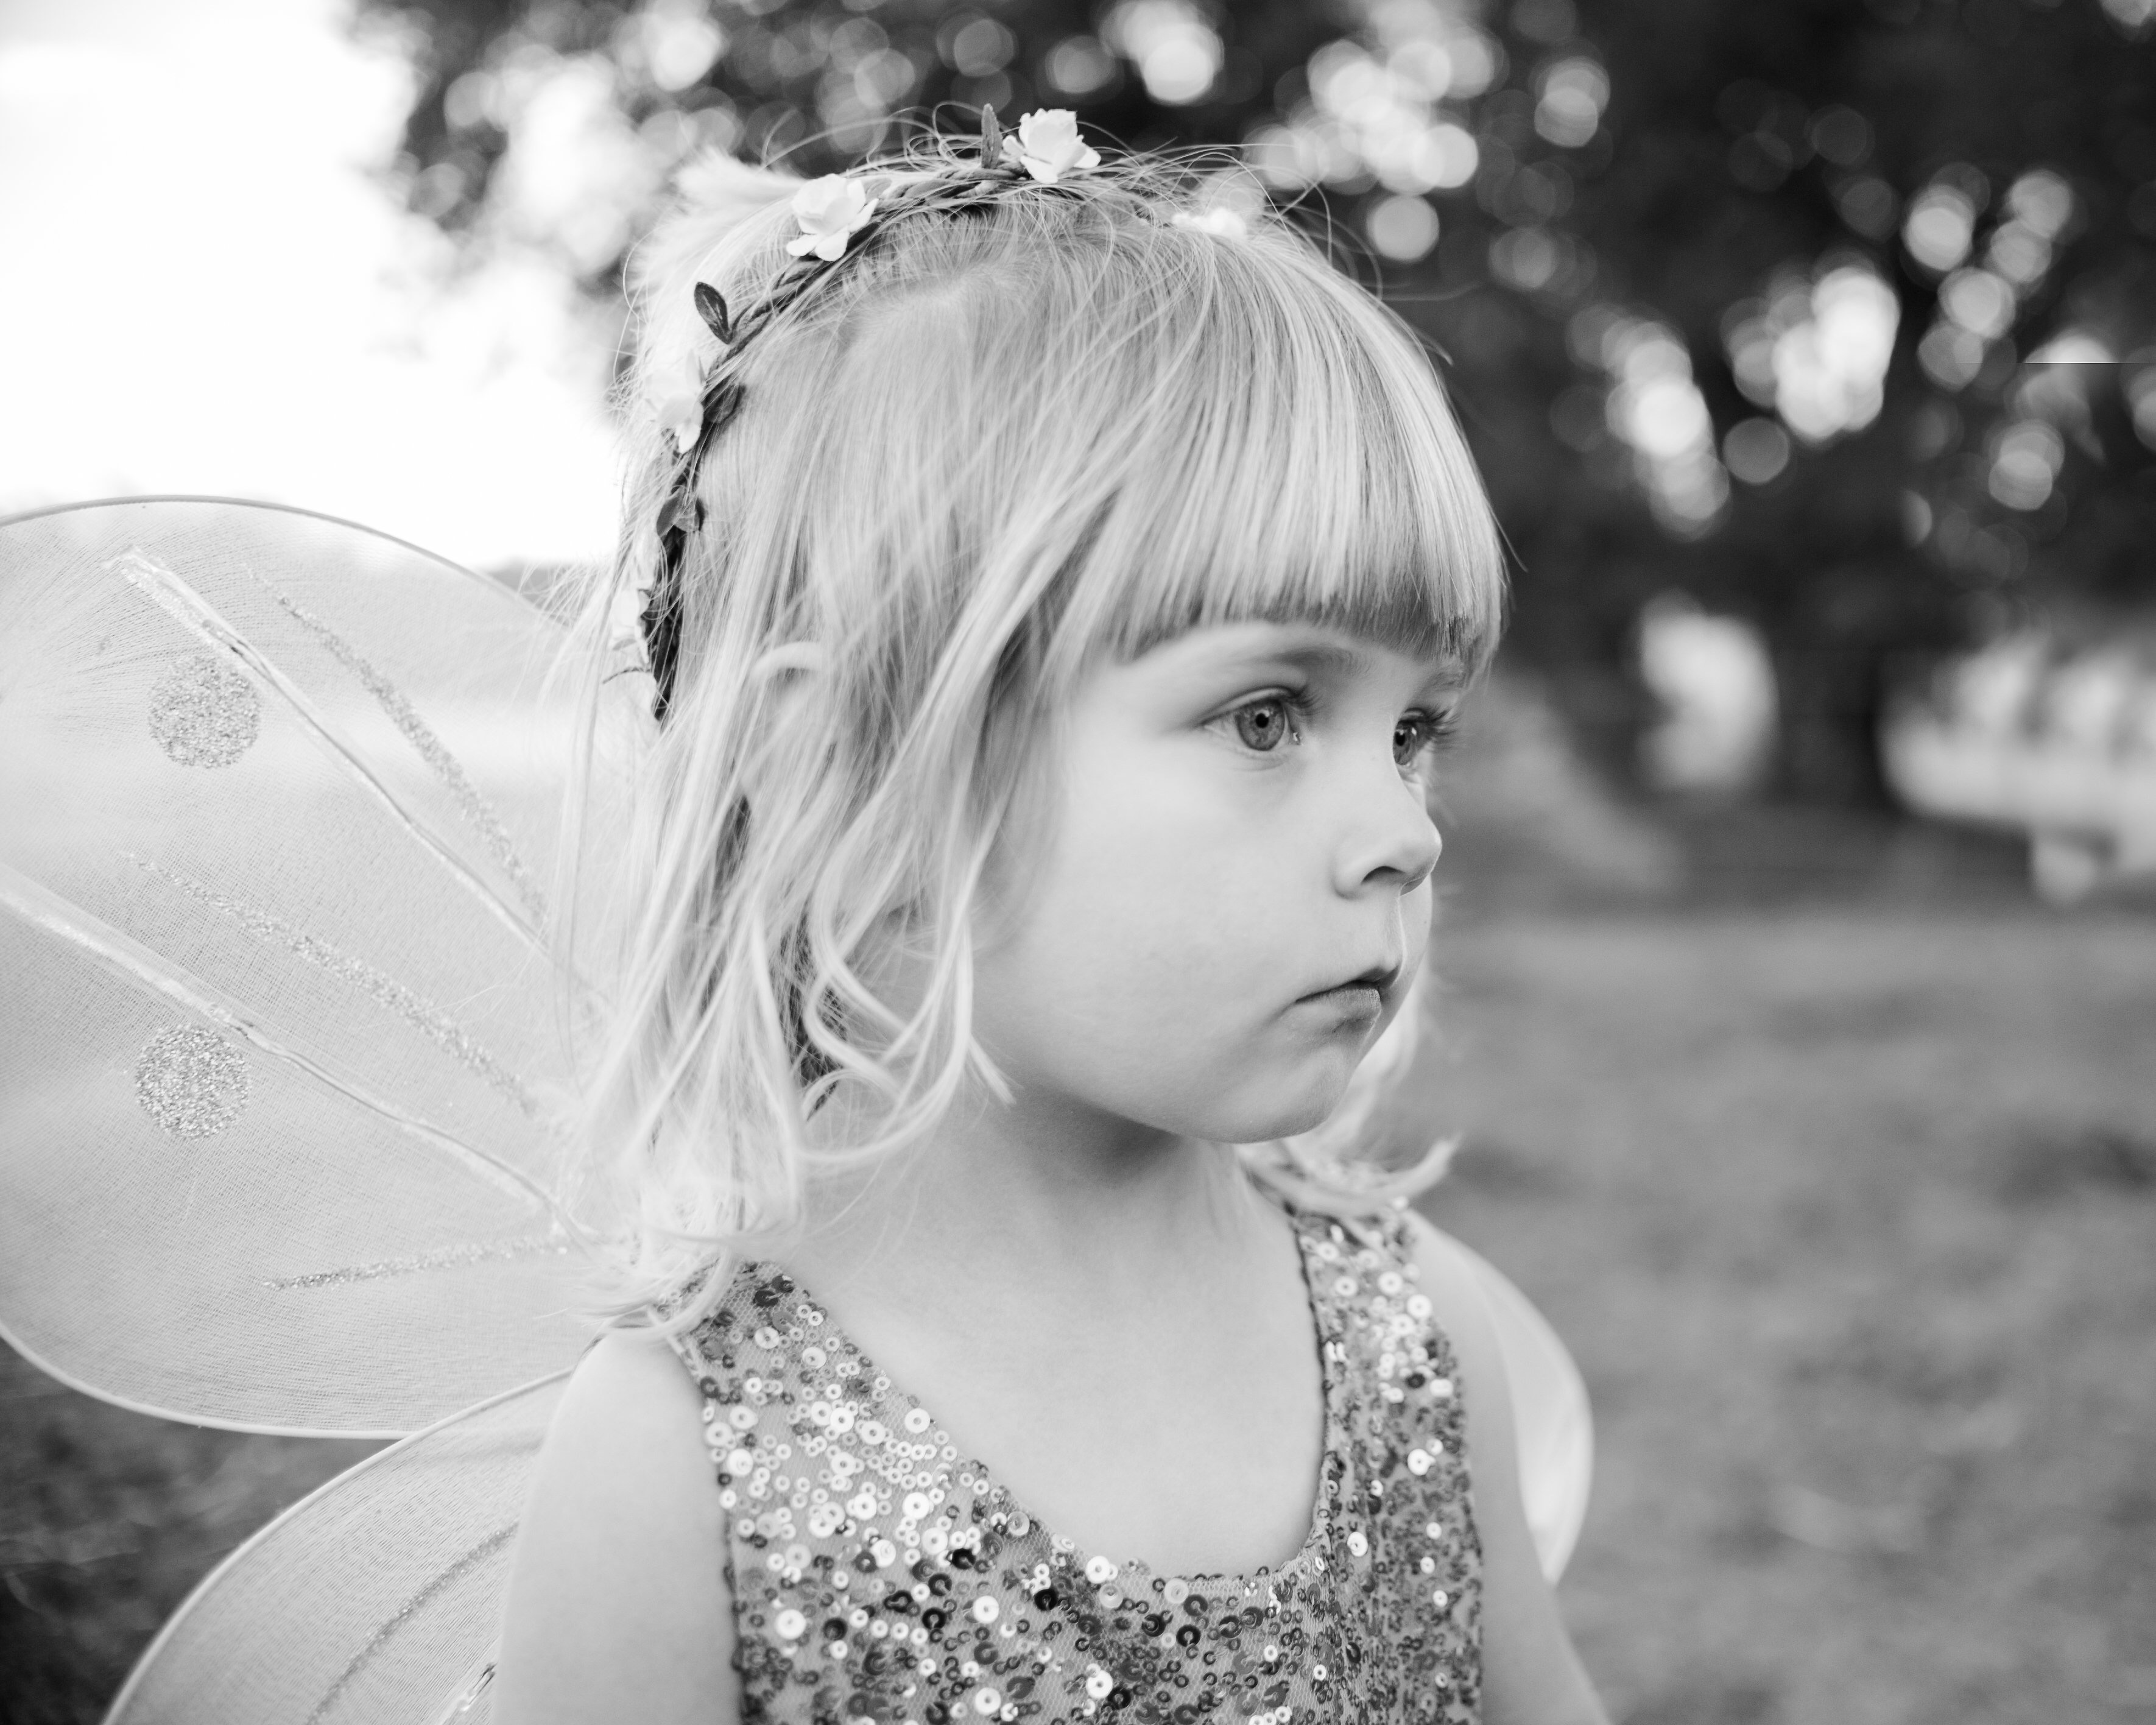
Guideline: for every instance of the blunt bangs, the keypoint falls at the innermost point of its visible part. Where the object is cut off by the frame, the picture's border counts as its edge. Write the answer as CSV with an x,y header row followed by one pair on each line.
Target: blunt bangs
x,y
1296,461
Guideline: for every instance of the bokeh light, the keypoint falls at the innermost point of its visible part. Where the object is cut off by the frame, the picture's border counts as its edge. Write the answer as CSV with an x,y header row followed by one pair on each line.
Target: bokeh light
x,y
1816,349
2141,393
1655,408
1570,96
1756,451
1388,109
1714,683
1079,65
1177,51
1937,229
2026,459
1403,228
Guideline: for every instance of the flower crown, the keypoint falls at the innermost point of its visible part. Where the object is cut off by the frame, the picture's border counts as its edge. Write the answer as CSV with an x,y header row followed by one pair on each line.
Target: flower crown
x,y
834,213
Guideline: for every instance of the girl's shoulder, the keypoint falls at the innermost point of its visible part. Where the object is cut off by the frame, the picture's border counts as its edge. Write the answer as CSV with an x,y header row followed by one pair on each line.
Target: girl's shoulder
x,y
1438,1267
615,1607
1403,1242
1529,1668
1446,1274
1443,1273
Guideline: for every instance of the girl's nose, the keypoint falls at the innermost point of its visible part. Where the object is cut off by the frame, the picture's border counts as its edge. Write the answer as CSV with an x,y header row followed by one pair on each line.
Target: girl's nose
x,y
1394,846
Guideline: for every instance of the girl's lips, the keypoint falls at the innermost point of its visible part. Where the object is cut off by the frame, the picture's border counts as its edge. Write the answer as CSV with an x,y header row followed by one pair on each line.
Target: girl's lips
x,y
1355,1002
1377,982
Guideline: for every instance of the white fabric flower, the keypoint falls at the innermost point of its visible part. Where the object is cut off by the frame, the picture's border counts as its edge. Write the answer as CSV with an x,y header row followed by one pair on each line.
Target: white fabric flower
x,y
625,619
831,211
1227,224
1048,146
681,414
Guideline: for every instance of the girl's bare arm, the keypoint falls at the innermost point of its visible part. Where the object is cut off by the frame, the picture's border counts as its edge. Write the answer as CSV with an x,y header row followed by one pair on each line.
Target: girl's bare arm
x,y
1530,1674
617,1606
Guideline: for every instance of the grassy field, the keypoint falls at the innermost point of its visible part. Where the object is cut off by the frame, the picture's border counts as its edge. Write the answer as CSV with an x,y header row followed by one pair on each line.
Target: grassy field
x,y
1850,1220
1849,1217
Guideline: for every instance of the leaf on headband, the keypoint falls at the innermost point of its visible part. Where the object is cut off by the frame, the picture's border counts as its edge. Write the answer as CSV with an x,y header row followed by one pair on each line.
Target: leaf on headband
x,y
992,138
721,405
669,516
711,308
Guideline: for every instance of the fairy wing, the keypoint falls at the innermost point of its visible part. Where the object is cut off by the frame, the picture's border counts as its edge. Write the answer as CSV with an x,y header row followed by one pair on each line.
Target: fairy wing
x,y
1553,1424
280,1049
372,1602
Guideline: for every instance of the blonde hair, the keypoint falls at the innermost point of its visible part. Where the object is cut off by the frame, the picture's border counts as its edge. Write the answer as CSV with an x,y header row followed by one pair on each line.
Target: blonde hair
x,y
986,450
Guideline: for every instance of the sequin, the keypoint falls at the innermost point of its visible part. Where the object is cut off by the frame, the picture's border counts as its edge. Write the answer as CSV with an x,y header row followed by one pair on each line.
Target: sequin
x,y
191,1082
925,1594
204,713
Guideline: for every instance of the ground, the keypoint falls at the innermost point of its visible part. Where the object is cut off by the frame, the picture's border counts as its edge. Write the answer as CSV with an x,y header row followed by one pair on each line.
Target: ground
x,y
1849,1215
1850,1220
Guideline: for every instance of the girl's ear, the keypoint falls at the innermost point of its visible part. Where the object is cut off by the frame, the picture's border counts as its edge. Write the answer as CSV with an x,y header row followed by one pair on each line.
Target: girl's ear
x,y
794,656
787,676
784,679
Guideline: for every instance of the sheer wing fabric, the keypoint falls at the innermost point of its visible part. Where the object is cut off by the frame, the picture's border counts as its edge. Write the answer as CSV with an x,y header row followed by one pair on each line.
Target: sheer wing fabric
x,y
373,1602
279,1047
1553,1426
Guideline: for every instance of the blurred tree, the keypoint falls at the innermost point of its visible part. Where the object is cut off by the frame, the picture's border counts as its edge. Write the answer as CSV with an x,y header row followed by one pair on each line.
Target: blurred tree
x,y
1763,303
1902,476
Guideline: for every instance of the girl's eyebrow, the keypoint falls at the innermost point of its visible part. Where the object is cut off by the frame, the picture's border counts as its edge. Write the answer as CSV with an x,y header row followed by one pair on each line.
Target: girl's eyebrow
x,y
1340,660
1320,657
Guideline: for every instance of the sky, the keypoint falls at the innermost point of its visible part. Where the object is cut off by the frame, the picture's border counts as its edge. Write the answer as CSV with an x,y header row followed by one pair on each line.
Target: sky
x,y
206,288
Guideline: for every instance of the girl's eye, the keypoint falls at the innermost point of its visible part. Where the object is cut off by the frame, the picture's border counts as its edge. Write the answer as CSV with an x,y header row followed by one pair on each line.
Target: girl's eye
x,y
1417,734
1264,724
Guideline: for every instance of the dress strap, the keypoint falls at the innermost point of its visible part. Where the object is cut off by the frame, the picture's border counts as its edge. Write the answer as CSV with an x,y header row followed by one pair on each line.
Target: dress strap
x,y
685,1349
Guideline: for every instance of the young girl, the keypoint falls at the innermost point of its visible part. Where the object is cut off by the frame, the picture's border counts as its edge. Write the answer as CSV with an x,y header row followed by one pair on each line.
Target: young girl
x,y
1055,593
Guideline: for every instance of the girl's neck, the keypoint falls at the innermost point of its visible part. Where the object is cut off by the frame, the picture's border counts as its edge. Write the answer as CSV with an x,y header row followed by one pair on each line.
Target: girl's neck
x,y
1115,1324
1033,1195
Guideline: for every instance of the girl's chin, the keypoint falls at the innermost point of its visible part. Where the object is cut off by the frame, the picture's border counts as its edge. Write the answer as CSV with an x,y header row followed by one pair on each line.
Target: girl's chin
x,y
1251,1097
1283,1113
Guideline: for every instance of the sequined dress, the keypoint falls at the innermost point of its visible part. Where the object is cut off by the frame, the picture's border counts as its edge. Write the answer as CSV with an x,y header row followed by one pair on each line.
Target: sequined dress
x,y
879,1574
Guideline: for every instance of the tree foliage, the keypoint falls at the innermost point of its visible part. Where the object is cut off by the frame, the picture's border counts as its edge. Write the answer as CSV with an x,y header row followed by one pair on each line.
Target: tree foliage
x,y
1757,303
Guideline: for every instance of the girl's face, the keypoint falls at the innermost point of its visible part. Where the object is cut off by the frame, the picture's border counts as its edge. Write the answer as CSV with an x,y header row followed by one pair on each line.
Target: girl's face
x,y
1223,894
